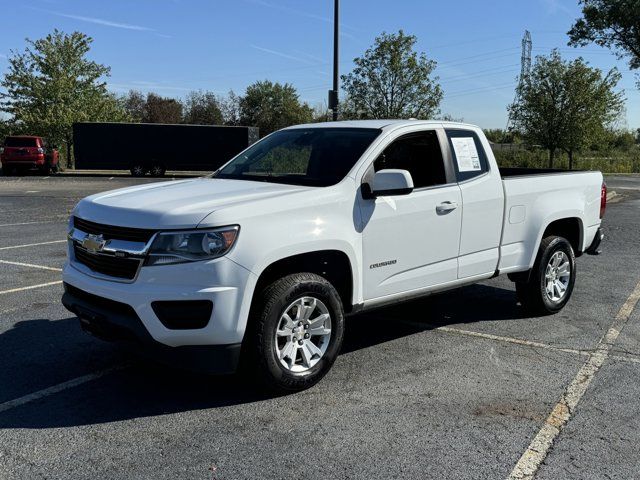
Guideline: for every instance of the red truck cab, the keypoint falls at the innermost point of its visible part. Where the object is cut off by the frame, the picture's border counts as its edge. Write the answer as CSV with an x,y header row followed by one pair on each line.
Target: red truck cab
x,y
25,152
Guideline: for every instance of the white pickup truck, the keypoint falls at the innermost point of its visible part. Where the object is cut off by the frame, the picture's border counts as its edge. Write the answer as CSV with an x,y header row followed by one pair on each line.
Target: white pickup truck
x,y
258,264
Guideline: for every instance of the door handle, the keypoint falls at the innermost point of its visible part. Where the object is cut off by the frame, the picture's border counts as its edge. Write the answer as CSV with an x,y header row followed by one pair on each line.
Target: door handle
x,y
445,207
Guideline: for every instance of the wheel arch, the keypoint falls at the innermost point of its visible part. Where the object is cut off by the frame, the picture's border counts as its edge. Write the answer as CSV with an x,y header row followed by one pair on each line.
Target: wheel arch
x,y
569,227
334,265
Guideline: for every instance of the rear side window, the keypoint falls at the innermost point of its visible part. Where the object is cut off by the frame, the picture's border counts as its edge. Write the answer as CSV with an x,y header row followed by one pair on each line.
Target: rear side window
x,y
469,157
420,154
20,142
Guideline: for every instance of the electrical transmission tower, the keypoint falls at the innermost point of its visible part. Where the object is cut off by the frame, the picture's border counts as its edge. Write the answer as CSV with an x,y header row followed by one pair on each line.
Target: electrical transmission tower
x,y
525,69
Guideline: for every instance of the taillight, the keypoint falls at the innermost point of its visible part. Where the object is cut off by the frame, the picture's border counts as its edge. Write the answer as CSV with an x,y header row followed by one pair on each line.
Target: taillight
x,y
603,199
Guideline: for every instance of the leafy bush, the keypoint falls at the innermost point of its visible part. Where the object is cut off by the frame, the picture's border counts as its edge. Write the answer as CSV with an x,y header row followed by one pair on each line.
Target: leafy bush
x,y
608,161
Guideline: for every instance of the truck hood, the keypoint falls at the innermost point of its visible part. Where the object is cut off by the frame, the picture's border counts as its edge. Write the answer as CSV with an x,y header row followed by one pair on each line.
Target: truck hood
x,y
175,204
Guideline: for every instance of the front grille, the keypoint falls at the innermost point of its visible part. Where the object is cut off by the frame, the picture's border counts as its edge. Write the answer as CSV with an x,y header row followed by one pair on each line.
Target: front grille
x,y
107,264
110,232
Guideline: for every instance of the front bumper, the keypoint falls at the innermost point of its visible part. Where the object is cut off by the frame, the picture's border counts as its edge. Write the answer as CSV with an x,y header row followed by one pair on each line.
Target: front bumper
x,y
25,161
115,321
221,281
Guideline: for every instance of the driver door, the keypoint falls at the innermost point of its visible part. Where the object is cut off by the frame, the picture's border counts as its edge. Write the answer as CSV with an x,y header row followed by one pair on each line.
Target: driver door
x,y
411,241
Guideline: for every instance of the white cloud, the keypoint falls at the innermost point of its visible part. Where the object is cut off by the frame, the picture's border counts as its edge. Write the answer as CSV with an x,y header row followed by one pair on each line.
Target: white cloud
x,y
282,54
555,6
106,23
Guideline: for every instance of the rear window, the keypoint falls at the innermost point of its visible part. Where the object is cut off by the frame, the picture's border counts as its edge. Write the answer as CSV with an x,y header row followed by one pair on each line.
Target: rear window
x,y
20,142
470,159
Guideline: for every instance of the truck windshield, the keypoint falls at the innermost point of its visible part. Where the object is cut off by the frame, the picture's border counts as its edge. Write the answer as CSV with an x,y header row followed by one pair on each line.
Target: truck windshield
x,y
301,156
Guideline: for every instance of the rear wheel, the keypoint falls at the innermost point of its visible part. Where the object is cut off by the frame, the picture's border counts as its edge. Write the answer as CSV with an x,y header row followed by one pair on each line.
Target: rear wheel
x,y
138,170
157,170
7,171
295,333
552,278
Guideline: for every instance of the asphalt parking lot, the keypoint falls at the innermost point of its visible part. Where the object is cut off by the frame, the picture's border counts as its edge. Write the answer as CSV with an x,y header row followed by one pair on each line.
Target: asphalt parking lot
x,y
459,385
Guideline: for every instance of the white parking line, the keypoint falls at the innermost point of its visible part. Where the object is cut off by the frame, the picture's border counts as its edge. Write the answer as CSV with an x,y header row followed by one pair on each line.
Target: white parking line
x,y
20,264
624,358
57,388
23,223
517,341
31,287
32,244
532,458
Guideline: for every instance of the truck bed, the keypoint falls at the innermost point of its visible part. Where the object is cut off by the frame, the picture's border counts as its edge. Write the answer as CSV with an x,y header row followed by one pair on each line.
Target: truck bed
x,y
535,197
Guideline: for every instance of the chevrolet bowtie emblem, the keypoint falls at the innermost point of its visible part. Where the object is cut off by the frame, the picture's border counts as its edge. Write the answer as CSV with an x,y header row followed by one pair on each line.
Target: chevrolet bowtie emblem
x,y
93,243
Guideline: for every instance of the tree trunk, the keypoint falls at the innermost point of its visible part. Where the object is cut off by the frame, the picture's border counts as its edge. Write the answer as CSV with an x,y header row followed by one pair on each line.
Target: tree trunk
x,y
552,153
69,143
570,152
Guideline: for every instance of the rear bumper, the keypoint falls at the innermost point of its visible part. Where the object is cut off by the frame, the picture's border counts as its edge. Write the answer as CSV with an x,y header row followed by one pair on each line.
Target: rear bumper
x,y
118,322
594,248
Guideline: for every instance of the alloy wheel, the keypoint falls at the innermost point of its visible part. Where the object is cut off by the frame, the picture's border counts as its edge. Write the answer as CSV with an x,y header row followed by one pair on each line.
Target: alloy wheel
x,y
303,334
557,276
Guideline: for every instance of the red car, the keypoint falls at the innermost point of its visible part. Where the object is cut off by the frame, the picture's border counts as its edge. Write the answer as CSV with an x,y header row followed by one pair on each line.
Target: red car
x,y
23,152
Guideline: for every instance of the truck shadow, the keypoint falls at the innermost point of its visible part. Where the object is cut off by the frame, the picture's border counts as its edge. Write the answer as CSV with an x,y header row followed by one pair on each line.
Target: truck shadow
x,y
37,354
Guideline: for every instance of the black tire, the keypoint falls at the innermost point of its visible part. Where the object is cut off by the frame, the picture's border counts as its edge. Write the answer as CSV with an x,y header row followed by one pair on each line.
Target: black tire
x,y
138,170
157,170
45,169
7,172
260,358
533,295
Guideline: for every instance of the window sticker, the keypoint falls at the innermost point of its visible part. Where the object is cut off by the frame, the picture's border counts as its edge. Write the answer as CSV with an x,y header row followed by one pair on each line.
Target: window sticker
x,y
466,154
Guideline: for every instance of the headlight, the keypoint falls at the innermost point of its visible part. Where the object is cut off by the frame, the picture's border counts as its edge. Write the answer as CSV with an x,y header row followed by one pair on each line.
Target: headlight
x,y
191,246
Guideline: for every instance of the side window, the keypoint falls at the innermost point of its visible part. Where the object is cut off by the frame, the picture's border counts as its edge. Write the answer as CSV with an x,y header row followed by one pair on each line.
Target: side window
x,y
469,157
420,154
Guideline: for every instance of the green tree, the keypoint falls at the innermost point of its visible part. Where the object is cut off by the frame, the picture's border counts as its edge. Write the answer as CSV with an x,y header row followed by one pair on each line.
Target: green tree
x,y
271,106
321,113
623,140
499,135
202,108
566,105
392,80
52,84
614,24
162,109
230,108
135,104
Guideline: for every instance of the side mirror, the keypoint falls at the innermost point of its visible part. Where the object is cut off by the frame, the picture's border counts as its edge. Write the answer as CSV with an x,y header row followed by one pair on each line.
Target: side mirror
x,y
391,182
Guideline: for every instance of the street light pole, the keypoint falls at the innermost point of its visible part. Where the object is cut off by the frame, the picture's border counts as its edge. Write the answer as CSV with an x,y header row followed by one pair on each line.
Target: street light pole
x,y
333,95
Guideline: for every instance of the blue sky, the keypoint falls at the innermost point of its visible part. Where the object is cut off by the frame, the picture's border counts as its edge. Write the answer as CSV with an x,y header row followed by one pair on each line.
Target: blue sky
x,y
174,46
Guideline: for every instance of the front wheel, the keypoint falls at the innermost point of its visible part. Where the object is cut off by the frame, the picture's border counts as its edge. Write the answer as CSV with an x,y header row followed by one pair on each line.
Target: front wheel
x,y
552,278
138,170
295,333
